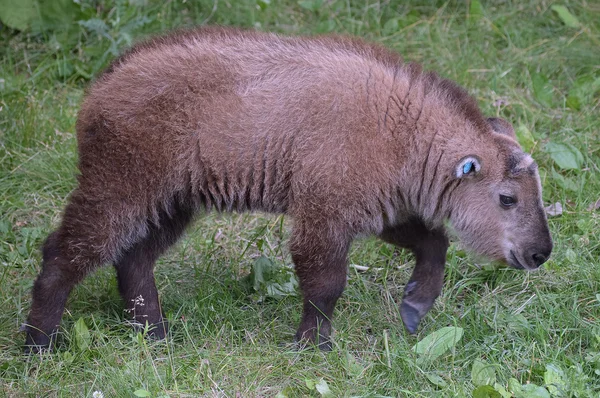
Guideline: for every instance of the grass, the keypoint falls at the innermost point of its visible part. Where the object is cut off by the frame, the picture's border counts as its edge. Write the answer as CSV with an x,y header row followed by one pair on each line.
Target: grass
x,y
518,58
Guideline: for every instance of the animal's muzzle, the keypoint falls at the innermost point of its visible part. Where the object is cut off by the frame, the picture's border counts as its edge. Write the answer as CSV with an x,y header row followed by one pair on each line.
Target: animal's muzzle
x,y
529,259
538,256
539,259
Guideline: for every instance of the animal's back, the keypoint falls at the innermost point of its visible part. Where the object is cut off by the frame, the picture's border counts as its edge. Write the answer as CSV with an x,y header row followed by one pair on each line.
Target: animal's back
x,y
246,120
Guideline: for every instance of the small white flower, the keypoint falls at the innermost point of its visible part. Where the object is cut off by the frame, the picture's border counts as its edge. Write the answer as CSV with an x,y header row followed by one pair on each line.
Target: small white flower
x,y
97,394
139,301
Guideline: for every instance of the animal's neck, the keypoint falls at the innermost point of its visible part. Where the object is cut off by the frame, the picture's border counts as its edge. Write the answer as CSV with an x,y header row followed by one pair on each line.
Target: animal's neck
x,y
424,177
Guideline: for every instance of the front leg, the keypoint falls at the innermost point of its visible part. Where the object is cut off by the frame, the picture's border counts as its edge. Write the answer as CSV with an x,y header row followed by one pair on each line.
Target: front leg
x,y
319,254
425,284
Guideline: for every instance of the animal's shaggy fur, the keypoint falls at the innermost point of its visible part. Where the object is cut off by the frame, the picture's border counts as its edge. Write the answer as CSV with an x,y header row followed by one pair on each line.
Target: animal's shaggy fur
x,y
339,134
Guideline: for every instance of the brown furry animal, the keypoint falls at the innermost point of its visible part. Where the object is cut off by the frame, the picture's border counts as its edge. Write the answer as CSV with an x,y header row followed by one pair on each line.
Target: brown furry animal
x,y
341,135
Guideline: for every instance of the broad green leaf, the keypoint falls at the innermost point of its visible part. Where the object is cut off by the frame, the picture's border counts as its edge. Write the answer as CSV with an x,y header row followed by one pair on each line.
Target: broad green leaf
x,y
571,255
263,4
532,391
18,14
475,9
262,267
566,156
141,393
437,343
514,386
326,26
272,280
5,227
564,182
67,357
353,367
582,92
323,388
573,101
391,26
57,12
82,335
502,391
280,290
285,393
310,384
95,25
525,137
482,373
542,89
436,380
486,392
395,24
554,378
312,5
566,17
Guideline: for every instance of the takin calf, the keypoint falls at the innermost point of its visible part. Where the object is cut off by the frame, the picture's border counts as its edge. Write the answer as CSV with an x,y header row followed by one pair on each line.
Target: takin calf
x,y
339,134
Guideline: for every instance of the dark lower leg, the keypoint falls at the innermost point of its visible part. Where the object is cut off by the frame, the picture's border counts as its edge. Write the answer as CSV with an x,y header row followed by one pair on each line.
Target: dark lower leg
x,y
136,284
49,296
427,280
321,269
315,326
135,271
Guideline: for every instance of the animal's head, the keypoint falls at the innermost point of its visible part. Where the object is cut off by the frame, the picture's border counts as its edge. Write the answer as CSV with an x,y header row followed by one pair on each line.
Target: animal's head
x,y
497,206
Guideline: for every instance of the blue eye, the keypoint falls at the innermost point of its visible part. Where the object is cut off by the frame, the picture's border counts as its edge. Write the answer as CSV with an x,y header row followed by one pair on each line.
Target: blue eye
x,y
467,167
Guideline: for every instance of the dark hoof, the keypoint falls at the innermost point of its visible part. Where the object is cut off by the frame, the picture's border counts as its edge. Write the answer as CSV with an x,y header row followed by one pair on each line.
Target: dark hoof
x,y
155,331
36,349
325,345
159,331
410,316
37,342
302,343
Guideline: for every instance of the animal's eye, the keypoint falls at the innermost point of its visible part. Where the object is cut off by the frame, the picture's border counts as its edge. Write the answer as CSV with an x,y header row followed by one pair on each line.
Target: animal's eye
x,y
468,168
507,201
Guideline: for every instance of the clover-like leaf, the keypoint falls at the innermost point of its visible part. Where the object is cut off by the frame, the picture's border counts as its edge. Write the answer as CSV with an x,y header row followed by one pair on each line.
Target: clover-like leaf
x,y
82,335
566,156
437,343
566,17
482,373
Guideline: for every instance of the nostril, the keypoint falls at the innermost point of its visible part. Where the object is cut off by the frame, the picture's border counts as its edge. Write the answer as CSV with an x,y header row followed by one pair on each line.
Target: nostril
x,y
539,259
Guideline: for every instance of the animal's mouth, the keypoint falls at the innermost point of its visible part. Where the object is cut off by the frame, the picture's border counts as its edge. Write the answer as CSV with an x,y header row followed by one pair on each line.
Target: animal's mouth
x,y
514,262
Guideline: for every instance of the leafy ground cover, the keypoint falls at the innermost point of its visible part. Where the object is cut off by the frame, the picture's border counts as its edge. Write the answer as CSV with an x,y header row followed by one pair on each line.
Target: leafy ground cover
x,y
227,287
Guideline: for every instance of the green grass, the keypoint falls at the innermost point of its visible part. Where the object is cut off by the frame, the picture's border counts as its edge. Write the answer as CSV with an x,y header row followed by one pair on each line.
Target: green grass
x,y
521,62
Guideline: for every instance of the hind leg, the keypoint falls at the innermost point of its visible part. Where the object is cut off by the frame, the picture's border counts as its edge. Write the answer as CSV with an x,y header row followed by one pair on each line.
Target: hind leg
x,y
50,292
319,255
427,279
135,269
93,232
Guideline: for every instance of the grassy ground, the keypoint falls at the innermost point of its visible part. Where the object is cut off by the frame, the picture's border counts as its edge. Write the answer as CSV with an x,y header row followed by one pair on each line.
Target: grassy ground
x,y
532,334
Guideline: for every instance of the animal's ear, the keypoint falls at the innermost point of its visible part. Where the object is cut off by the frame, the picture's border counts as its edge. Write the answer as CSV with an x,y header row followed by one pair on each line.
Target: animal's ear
x,y
501,126
467,167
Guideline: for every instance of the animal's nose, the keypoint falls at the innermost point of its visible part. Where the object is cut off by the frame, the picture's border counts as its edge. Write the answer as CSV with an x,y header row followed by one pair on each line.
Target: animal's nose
x,y
539,259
